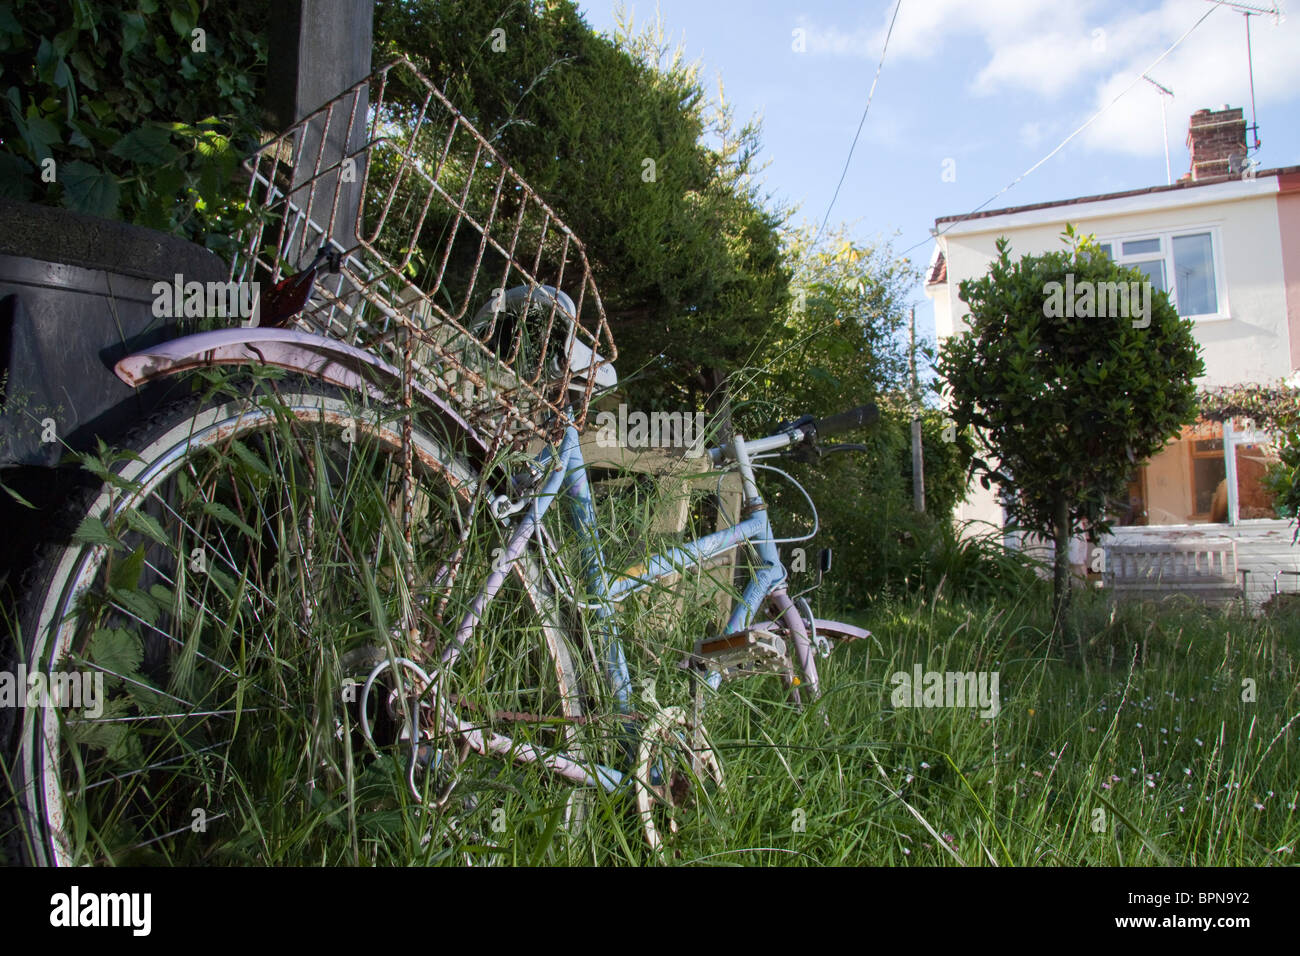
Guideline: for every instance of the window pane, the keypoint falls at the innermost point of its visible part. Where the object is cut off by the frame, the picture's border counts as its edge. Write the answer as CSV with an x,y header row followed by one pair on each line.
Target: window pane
x,y
1105,247
1207,475
1154,270
1140,247
1194,269
1254,499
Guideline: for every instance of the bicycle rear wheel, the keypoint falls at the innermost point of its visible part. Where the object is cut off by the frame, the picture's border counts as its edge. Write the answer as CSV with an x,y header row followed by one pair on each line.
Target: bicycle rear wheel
x,y
203,623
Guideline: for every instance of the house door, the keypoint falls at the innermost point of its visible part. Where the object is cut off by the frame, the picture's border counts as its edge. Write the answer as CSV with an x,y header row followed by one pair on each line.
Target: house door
x,y
1209,476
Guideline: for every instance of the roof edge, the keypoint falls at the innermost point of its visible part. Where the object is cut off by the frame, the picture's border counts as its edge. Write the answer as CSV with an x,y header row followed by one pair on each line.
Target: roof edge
x,y
1279,172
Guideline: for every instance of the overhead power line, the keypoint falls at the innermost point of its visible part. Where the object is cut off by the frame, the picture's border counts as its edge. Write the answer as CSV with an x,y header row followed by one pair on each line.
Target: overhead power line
x,y
1063,143
871,93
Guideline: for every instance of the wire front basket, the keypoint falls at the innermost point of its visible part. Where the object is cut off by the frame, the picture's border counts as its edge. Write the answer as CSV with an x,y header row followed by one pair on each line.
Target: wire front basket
x,y
449,260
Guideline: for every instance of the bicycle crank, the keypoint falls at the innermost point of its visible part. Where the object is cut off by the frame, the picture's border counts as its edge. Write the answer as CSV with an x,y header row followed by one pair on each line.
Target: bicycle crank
x,y
676,765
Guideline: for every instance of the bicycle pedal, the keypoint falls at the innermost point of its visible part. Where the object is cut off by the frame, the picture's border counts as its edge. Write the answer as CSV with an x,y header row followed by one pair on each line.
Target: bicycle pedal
x,y
743,654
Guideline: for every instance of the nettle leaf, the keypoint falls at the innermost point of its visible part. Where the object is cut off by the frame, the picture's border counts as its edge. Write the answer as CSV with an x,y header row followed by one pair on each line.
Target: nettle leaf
x,y
92,531
250,458
90,190
125,574
136,602
224,514
102,734
118,651
148,698
146,146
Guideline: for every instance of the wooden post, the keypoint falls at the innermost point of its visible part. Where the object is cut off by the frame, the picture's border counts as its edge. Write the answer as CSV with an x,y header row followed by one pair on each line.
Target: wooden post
x,y
317,49
918,458
677,477
1230,468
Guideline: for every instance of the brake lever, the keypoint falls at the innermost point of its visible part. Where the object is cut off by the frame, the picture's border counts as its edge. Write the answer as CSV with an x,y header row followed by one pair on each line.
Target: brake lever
x,y
807,451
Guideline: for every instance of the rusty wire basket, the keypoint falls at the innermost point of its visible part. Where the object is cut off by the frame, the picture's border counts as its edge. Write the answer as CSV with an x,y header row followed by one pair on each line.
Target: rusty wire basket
x,y
448,258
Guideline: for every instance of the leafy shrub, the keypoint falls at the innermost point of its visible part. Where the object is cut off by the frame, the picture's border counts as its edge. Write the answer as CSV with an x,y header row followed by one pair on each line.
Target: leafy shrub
x,y
130,112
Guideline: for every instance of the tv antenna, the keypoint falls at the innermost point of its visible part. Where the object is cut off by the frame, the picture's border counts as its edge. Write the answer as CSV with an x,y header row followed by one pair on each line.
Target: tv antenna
x,y
1164,124
1247,10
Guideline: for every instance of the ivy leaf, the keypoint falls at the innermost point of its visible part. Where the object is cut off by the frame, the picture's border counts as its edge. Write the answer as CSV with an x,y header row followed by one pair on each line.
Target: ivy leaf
x,y
90,190
133,31
15,177
85,70
45,61
39,134
146,146
181,22
9,26
76,137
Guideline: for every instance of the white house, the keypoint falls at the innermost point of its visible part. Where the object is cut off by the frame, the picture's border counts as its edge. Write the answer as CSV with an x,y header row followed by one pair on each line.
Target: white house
x,y
1225,242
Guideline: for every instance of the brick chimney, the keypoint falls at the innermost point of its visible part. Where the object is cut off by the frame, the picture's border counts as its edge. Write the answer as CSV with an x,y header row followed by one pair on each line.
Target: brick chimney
x,y
1217,141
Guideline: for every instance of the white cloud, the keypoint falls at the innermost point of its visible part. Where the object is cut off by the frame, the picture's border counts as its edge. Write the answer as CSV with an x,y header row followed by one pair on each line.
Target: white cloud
x,y
1084,52
1049,64
1206,71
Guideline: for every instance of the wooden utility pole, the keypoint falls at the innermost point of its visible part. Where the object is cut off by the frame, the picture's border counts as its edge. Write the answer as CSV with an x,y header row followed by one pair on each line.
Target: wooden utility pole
x,y
918,461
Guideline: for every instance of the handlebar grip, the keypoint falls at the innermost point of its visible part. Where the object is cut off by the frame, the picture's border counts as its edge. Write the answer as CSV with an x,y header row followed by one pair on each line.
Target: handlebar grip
x,y
847,421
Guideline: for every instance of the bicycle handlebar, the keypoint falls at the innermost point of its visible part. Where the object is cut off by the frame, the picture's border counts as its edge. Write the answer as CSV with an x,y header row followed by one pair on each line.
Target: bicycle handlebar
x,y
804,429
847,421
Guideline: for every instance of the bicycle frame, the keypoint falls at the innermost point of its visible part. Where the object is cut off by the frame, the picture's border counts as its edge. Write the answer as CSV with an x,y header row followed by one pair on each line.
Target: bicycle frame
x,y
566,475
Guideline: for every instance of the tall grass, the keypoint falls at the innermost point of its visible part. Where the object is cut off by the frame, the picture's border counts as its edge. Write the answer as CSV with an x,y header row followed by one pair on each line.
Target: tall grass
x,y
1179,743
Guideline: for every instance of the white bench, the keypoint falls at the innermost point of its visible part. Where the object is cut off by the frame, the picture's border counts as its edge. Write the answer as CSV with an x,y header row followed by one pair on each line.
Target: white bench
x,y
1204,568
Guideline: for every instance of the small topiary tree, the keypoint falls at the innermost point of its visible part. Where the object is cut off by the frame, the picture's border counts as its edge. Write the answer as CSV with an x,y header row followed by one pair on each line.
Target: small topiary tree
x,y
1072,370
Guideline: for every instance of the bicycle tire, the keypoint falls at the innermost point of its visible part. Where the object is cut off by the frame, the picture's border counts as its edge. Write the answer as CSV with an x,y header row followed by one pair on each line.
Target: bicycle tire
x,y
187,654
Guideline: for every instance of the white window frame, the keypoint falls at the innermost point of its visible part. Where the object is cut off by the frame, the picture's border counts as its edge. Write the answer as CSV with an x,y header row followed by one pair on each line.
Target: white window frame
x,y
1166,237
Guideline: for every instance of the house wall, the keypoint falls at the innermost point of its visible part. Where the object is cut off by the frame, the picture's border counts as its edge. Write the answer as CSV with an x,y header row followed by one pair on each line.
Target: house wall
x,y
1260,294
1288,221
1169,495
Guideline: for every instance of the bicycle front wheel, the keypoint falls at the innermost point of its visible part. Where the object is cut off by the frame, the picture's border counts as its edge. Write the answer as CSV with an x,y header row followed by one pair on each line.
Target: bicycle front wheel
x,y
200,630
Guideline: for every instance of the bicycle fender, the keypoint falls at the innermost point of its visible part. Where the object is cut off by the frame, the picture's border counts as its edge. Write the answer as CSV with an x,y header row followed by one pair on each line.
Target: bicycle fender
x,y
314,355
837,630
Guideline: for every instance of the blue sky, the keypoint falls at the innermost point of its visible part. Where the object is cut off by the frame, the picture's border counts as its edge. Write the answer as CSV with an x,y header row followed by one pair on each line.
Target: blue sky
x,y
981,88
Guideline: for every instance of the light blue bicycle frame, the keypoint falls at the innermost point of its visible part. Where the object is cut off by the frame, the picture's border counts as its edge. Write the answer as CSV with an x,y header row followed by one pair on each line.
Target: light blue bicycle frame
x,y
565,473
